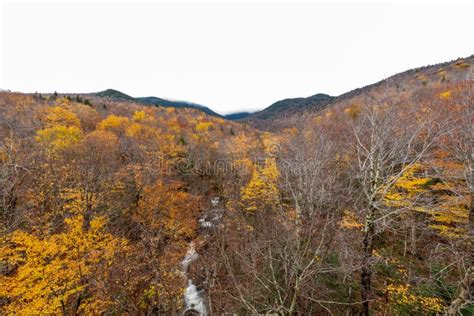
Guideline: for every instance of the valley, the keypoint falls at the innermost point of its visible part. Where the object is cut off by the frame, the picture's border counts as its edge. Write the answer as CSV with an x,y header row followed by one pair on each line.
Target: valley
x,y
358,204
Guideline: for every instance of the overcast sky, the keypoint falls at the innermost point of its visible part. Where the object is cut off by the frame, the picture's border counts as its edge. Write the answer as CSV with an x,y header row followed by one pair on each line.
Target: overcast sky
x,y
228,56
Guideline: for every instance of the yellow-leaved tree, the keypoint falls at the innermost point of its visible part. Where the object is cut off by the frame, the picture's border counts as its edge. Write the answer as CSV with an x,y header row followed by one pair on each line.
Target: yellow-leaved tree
x,y
114,123
61,273
63,129
434,196
262,190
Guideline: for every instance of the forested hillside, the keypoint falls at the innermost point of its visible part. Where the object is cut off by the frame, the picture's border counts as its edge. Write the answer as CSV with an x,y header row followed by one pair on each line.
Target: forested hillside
x,y
412,83
111,94
362,207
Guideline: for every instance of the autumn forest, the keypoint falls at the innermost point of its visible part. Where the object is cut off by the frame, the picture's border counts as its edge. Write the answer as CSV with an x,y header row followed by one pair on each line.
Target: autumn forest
x,y
357,205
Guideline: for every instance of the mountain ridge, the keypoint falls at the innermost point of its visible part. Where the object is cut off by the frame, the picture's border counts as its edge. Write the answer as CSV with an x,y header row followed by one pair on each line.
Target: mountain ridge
x,y
152,100
319,99
411,81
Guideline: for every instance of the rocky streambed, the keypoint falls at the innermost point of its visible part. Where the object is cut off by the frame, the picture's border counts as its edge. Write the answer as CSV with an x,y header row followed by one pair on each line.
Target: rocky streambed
x,y
195,302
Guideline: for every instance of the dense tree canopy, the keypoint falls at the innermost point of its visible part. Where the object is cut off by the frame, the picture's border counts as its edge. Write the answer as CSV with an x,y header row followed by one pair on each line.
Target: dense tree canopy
x,y
361,208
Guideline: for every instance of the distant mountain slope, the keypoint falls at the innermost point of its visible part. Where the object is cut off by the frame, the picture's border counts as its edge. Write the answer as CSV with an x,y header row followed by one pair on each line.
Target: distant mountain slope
x,y
237,116
412,82
316,101
176,104
113,94
120,96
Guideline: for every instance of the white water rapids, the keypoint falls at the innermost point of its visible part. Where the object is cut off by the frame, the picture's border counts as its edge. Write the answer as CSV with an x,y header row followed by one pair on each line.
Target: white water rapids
x,y
193,297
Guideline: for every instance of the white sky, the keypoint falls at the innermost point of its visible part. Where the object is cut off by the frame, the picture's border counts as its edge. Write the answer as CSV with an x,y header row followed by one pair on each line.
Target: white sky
x,y
228,56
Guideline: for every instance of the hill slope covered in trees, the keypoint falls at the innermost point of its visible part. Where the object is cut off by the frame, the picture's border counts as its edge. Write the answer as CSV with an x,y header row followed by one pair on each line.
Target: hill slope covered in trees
x,y
404,85
361,206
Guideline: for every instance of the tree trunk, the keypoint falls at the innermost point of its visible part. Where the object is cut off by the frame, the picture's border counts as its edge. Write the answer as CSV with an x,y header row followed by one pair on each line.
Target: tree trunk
x,y
464,293
366,272
471,210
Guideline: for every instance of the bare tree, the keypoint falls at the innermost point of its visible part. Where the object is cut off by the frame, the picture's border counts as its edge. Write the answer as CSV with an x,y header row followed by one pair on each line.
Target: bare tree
x,y
386,143
460,135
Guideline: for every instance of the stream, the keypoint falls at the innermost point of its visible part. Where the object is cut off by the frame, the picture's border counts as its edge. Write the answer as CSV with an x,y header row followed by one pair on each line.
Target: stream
x,y
194,298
